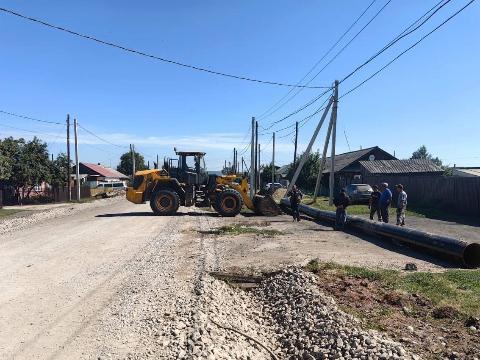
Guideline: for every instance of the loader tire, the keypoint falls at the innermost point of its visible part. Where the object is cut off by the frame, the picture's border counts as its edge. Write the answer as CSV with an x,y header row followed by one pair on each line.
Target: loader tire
x,y
164,202
228,203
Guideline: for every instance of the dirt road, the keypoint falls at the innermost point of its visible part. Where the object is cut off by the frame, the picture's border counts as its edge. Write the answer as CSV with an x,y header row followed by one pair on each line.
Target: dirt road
x,y
112,281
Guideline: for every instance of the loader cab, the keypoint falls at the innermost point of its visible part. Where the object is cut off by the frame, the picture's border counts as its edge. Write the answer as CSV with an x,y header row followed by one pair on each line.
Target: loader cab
x,y
189,168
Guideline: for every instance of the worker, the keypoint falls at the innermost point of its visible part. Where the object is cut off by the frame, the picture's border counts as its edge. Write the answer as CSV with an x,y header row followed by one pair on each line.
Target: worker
x,y
341,202
374,203
385,200
295,196
401,205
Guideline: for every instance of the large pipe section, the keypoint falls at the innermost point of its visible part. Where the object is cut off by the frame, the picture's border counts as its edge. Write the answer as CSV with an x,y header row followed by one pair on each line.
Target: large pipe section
x,y
461,251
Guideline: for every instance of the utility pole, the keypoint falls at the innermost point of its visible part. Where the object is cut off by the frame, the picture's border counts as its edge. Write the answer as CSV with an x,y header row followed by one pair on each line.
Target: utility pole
x,y
242,165
324,158
234,161
255,169
296,142
305,155
334,137
259,185
77,165
132,151
68,159
148,164
158,165
273,159
252,159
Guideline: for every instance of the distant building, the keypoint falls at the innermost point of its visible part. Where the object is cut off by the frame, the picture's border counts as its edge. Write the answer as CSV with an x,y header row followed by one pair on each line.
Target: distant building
x,y
347,166
466,171
391,171
95,174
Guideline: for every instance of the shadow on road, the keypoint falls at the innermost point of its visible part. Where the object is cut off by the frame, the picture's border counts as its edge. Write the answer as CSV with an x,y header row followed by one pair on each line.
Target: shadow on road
x,y
149,213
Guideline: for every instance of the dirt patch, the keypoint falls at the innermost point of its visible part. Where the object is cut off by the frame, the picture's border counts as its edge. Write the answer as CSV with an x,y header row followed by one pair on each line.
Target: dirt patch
x,y
433,332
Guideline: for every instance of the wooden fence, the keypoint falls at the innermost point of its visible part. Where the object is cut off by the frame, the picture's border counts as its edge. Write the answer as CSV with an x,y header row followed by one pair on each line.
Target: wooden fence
x,y
457,195
61,194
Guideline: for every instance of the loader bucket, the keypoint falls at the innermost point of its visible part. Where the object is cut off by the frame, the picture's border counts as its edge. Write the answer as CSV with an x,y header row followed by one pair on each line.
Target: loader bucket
x,y
265,205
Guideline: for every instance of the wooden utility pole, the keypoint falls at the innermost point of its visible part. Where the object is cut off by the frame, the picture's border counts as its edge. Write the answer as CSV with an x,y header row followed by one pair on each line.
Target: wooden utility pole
x,y
334,137
305,155
148,164
77,164
69,189
234,161
324,158
273,159
252,159
259,178
255,168
242,165
158,165
132,152
296,142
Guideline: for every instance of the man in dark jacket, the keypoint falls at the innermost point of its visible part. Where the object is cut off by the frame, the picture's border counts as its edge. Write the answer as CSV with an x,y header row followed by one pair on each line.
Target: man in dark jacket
x,y
374,203
341,202
295,196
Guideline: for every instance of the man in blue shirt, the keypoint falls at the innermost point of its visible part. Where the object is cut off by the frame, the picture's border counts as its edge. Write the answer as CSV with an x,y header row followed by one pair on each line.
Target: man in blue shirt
x,y
385,200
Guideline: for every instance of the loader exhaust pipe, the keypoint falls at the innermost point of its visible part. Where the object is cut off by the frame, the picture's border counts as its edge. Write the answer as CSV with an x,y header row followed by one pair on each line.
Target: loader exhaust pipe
x,y
460,251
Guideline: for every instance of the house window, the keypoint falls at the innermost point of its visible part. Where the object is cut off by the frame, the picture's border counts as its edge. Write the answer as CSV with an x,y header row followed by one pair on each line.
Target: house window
x,y
37,188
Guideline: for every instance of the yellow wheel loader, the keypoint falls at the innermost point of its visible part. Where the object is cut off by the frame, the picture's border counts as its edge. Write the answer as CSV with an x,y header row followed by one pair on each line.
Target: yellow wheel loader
x,y
185,182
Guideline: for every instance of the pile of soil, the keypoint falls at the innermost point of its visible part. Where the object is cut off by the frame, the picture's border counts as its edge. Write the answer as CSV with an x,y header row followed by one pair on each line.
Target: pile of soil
x,y
431,332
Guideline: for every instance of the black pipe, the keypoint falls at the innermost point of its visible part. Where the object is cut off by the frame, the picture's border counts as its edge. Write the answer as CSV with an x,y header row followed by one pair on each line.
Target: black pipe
x,y
466,253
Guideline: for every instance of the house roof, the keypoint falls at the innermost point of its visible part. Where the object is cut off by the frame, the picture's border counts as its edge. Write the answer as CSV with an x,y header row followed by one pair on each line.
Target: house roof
x,y
346,159
283,170
474,171
103,171
401,166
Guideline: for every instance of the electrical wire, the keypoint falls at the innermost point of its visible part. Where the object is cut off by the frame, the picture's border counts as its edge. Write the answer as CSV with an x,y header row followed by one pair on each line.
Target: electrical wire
x,y
100,138
407,50
30,118
397,39
30,131
141,53
263,116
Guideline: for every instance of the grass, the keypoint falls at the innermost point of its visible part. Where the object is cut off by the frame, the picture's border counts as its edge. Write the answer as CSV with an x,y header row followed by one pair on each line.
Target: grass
x,y
8,212
457,288
357,209
235,230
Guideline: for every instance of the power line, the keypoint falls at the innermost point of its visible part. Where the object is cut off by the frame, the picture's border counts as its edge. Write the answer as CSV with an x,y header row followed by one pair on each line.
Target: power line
x,y
138,52
30,131
100,138
397,39
407,50
30,118
268,113
303,107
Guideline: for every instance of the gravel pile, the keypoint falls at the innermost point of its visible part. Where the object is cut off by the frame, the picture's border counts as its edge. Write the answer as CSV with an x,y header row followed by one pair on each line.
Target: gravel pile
x,y
220,326
310,325
16,223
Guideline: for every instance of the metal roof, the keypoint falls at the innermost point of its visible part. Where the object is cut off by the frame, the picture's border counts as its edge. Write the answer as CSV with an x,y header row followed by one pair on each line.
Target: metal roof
x,y
475,171
103,171
410,166
348,158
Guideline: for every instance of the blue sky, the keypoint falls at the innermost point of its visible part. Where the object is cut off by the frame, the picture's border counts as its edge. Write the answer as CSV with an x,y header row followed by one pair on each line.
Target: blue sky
x,y
429,96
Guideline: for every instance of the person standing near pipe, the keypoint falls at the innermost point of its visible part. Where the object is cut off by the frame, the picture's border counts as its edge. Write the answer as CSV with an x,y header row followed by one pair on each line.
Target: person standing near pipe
x,y
374,203
295,196
385,200
401,205
341,202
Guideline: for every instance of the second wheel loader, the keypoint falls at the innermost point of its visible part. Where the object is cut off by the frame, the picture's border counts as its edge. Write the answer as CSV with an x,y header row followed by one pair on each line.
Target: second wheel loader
x,y
185,182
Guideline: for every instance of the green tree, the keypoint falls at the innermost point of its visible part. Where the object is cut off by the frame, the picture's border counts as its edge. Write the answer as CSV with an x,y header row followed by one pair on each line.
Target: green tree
x,y
125,166
308,176
24,164
58,171
422,153
266,174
